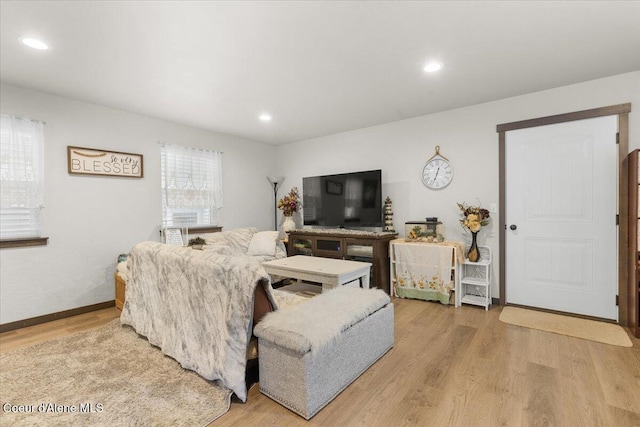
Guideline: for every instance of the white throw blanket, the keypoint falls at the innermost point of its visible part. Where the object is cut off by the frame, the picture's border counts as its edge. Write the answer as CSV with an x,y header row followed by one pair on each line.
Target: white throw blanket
x,y
314,324
197,306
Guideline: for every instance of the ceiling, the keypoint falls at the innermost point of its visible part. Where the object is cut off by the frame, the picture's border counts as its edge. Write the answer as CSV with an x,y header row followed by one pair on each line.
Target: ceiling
x,y
318,68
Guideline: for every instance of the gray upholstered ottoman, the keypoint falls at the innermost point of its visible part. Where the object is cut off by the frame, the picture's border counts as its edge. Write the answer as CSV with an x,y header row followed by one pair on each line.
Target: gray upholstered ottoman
x,y
310,352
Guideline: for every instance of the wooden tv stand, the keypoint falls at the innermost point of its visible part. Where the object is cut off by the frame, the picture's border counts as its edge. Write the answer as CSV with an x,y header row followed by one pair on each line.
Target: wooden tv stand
x,y
372,247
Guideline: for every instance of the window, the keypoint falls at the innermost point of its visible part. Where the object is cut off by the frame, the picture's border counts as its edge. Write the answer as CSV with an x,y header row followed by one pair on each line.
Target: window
x,y
191,186
21,177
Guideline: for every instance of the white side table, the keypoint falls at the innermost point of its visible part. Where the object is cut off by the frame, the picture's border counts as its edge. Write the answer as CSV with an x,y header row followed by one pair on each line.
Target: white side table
x,y
475,284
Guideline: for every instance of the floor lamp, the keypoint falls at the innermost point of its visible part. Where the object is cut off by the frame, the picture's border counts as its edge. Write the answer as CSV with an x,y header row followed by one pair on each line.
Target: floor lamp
x,y
275,181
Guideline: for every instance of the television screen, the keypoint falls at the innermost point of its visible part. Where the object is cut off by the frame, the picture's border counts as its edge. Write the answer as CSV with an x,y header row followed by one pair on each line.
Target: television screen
x,y
349,200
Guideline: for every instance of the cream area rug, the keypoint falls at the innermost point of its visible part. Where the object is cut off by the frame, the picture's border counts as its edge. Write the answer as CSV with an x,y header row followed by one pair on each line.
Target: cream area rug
x,y
108,376
592,330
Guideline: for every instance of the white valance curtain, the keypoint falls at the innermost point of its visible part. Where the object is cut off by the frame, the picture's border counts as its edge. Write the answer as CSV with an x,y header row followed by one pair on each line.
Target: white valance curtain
x,y
191,178
21,176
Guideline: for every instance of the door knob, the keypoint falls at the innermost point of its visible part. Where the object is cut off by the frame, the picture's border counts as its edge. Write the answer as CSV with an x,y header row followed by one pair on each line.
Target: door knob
x,y
513,226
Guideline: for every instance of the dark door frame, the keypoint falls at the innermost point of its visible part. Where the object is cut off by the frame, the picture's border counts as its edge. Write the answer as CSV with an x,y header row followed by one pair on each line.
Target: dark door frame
x,y
622,111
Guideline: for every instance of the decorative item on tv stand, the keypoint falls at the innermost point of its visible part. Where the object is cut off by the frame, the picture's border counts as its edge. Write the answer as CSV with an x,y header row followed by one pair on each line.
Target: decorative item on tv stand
x,y
388,215
289,205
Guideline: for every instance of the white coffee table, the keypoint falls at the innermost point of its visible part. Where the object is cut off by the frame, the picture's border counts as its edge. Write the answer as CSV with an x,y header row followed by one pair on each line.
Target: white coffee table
x,y
328,271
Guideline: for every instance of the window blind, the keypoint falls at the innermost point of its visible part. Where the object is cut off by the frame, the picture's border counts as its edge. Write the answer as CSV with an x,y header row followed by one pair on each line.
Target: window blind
x,y
21,177
191,185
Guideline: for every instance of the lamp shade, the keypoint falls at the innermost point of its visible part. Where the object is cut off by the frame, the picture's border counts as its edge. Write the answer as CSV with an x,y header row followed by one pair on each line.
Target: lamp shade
x,y
277,180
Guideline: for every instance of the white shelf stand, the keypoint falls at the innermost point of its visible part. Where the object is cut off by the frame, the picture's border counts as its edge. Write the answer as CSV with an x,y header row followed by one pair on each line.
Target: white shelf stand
x,y
475,284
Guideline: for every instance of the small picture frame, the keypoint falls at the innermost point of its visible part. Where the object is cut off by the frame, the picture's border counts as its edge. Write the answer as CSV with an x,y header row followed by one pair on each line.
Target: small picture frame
x,y
173,236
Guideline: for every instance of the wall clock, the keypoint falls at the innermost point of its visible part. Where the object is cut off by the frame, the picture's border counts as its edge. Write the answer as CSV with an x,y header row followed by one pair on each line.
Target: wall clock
x,y
437,173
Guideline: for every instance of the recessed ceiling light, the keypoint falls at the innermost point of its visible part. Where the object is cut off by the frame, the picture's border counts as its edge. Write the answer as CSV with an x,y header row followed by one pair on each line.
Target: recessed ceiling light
x,y
265,117
432,67
35,43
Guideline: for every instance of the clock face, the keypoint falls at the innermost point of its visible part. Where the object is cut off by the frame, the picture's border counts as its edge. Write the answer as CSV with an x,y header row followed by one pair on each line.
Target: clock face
x,y
437,173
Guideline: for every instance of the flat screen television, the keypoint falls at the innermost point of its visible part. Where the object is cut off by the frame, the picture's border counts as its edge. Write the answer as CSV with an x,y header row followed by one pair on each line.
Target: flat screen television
x,y
349,200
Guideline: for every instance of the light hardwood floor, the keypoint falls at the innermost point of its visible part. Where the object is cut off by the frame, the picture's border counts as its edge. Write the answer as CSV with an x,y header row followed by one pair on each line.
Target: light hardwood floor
x,y
451,367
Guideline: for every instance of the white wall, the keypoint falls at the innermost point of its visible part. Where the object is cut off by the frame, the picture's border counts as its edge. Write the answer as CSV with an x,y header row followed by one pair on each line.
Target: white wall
x,y
90,220
467,137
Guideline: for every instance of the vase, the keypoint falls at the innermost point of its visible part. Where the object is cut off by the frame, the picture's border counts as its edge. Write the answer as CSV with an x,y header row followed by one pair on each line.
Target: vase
x,y
288,225
474,253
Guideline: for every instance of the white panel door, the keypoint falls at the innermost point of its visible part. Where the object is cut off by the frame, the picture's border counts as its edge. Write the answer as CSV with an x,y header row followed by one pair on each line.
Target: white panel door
x,y
561,198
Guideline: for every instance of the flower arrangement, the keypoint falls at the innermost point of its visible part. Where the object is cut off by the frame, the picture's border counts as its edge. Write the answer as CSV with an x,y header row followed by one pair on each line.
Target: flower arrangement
x,y
473,217
290,203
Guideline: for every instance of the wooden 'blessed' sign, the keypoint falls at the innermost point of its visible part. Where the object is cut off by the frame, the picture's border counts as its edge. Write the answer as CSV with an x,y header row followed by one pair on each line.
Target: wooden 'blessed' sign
x,y
93,161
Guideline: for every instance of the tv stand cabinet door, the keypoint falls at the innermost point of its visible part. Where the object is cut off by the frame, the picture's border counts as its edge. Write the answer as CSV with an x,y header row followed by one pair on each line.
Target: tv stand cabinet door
x,y
376,252
301,245
329,247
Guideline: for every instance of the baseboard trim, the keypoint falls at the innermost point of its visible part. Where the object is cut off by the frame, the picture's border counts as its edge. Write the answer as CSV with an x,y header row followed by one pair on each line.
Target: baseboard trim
x,y
11,326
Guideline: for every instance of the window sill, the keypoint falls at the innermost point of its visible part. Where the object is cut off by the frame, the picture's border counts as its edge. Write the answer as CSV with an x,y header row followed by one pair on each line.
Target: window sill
x,y
198,229
204,229
19,243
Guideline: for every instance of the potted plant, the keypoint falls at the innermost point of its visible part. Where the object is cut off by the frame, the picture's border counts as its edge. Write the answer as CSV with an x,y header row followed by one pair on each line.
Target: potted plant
x,y
197,243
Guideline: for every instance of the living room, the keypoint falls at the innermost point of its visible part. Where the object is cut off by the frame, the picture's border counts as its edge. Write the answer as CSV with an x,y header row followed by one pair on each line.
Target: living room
x,y
91,220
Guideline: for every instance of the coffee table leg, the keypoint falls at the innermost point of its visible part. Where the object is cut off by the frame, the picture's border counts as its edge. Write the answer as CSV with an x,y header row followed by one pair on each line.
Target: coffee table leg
x,y
364,281
327,287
